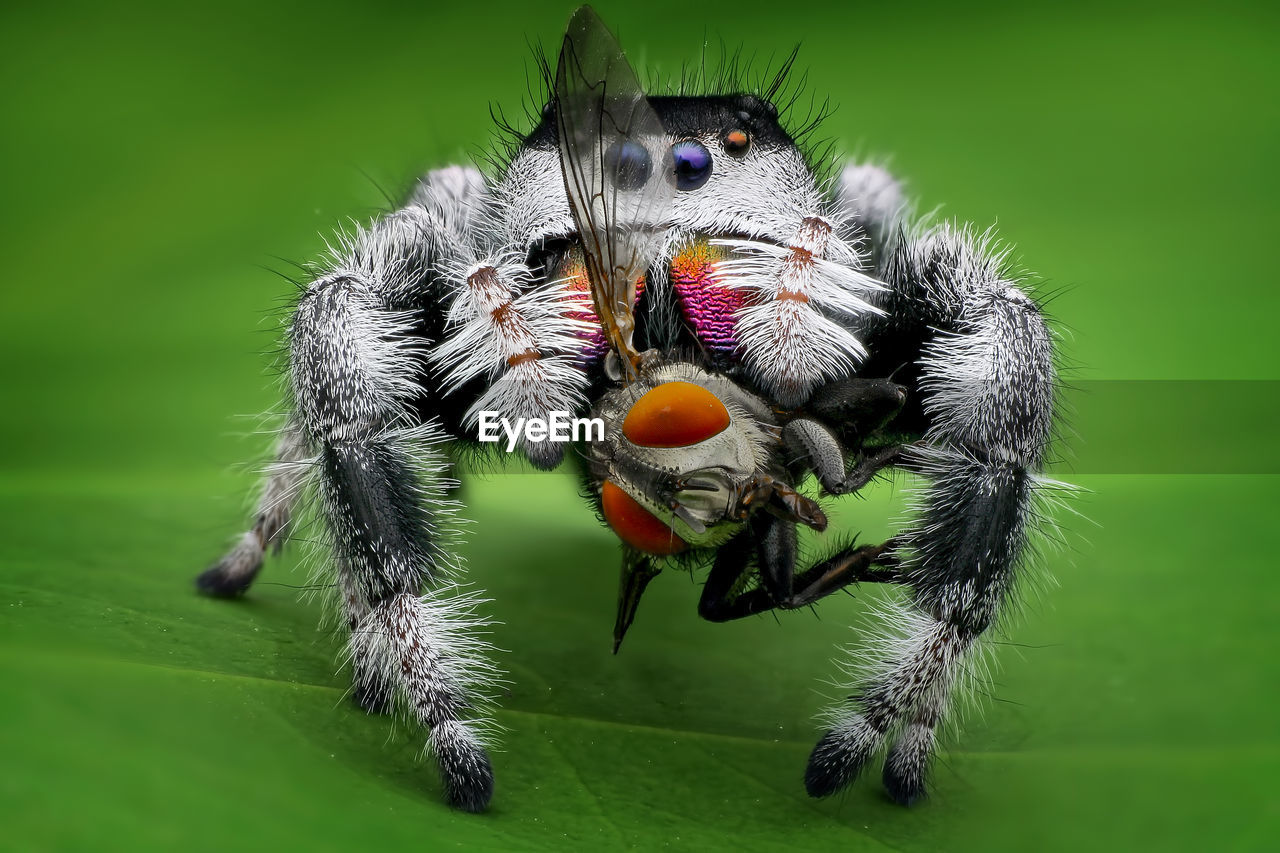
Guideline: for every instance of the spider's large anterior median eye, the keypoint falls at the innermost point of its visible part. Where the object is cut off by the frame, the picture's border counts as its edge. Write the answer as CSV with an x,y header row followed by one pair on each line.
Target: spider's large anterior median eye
x,y
628,165
675,414
635,525
692,164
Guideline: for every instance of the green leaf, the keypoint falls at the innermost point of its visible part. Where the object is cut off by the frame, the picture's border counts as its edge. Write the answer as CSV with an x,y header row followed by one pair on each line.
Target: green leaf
x,y
168,718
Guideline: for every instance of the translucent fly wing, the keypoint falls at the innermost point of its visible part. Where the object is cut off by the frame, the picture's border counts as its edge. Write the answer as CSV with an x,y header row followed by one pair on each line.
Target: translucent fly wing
x,y
617,172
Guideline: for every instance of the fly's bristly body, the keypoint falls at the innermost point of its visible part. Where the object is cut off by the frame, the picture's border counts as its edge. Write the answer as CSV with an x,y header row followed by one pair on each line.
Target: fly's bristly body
x,y
673,267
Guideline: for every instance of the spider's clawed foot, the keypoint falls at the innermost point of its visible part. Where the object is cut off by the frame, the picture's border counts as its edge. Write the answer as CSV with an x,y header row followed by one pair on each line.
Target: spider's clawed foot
x,y
904,779
841,754
234,573
465,769
836,760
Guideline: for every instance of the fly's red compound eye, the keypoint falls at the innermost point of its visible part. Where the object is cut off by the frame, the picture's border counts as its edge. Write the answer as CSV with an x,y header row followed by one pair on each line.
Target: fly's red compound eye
x,y
635,525
675,414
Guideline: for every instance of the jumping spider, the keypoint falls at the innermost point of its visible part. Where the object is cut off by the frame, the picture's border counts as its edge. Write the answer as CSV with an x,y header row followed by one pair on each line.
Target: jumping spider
x,y
673,266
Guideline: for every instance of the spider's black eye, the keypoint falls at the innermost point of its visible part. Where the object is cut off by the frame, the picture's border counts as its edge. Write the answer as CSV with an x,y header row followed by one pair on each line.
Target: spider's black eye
x,y
736,143
692,163
628,164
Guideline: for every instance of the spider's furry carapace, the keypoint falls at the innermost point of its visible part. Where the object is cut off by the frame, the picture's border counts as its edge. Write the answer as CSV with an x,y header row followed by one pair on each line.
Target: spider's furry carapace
x,y
676,266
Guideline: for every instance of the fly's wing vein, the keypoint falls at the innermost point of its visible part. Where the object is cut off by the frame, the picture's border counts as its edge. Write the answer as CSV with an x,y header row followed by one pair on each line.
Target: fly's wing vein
x,y
618,174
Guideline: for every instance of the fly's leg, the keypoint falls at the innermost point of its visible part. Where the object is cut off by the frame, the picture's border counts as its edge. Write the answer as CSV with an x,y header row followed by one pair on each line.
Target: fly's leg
x,y
725,595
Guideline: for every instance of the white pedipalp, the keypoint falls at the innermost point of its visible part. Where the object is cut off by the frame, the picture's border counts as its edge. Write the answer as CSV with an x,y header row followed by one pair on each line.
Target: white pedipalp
x,y
526,342
788,339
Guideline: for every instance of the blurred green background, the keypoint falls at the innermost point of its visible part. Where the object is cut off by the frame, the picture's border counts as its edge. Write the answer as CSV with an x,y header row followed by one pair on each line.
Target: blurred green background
x,y
159,159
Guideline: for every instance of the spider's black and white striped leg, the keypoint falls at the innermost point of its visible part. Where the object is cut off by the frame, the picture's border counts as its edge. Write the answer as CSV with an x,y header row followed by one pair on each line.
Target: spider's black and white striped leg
x,y
987,381
906,767
383,487
384,495
396,252
232,575
359,378
919,656
358,369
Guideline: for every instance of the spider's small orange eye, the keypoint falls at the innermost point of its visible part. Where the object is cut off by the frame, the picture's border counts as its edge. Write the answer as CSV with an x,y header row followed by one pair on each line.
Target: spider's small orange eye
x,y
736,142
635,525
675,414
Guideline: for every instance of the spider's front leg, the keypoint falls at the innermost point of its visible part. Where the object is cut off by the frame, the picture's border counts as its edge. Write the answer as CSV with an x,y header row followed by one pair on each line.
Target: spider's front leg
x,y
383,491
368,391
371,404
986,385
359,379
